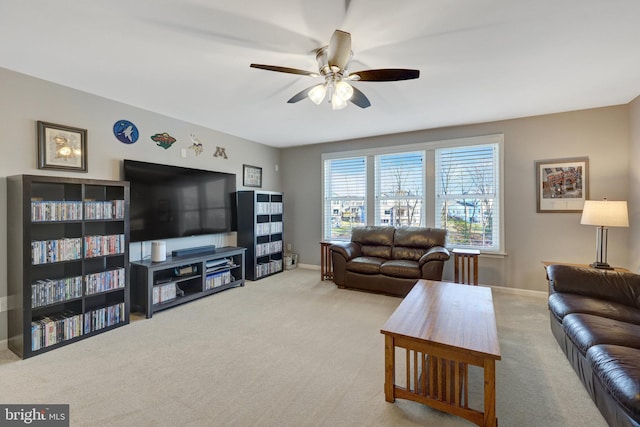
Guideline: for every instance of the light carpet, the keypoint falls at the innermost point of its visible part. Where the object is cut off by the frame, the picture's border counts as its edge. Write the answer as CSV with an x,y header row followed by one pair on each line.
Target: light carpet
x,y
288,350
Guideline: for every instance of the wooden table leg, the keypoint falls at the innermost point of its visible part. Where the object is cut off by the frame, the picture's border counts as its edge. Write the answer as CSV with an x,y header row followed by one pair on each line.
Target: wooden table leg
x,y
389,368
490,419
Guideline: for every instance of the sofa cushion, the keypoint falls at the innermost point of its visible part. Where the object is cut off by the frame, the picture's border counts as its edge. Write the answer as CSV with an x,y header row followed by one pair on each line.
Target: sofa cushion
x,y
618,369
413,254
403,268
587,330
376,251
562,304
419,237
623,288
365,265
375,236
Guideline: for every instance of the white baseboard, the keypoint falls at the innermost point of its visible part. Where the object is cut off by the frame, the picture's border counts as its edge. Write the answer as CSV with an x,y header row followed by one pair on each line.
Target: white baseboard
x,y
309,266
523,292
4,304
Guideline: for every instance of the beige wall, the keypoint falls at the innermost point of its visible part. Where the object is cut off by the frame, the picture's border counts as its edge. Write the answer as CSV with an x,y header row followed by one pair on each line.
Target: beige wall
x,y
601,134
25,100
634,183
610,137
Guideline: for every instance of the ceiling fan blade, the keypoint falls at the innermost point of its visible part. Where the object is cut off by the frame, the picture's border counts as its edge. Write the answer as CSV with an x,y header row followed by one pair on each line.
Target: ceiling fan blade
x,y
339,52
384,75
285,70
359,98
300,95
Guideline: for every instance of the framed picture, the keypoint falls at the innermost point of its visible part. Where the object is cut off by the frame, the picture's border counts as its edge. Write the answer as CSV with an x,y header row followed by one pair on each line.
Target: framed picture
x,y
562,185
62,147
251,176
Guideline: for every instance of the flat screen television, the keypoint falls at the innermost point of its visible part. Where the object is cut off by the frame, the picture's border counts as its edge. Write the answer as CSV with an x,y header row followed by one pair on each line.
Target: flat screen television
x,y
172,201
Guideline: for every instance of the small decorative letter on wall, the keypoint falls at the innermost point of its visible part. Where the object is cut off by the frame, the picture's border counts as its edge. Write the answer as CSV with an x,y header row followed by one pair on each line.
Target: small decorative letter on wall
x,y
562,185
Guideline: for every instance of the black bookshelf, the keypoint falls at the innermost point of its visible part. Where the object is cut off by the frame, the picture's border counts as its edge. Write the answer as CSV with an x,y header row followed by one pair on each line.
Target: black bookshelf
x,y
68,264
261,231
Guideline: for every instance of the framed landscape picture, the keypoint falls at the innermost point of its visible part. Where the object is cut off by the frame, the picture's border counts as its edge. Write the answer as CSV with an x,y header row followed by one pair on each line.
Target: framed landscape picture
x,y
62,147
562,185
251,176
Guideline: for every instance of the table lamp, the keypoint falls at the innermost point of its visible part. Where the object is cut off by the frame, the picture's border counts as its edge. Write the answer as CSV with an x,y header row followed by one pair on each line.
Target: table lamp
x,y
604,214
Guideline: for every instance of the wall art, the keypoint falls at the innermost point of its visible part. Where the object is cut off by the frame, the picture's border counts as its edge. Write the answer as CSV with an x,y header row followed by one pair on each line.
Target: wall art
x,y
163,140
251,176
125,131
562,185
61,147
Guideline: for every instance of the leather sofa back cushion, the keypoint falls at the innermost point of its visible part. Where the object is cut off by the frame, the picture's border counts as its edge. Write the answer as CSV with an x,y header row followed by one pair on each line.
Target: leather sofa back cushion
x,y
413,254
623,288
419,237
376,251
374,236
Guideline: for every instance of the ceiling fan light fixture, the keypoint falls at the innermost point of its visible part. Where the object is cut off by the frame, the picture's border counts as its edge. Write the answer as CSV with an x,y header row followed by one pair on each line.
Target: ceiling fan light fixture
x,y
337,103
344,90
317,94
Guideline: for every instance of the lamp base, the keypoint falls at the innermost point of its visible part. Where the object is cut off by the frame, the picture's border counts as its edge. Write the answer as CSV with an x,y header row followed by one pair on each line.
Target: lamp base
x,y
601,265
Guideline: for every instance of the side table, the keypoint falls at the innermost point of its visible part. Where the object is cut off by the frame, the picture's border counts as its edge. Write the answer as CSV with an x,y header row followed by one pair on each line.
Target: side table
x,y
326,267
466,266
548,263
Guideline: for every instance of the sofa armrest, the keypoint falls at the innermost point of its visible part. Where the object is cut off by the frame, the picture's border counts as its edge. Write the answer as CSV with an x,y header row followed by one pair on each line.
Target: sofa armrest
x,y
436,253
348,250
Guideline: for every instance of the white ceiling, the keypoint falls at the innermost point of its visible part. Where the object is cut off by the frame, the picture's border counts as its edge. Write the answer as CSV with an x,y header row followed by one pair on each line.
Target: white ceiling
x,y
480,60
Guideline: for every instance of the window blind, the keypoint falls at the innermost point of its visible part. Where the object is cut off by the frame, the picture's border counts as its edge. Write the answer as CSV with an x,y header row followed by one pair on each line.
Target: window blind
x,y
345,188
467,202
399,189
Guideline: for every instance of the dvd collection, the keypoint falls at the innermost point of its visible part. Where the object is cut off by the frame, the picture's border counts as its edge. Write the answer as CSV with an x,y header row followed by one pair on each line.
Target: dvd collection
x,y
214,280
273,266
108,209
55,211
103,245
73,210
268,248
48,251
49,291
265,208
264,228
104,281
53,329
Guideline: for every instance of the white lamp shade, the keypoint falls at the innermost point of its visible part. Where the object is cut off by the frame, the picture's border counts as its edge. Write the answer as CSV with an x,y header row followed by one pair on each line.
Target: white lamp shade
x,y
316,95
605,213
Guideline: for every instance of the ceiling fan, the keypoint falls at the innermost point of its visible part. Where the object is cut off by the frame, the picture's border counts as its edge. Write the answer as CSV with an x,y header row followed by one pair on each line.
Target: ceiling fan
x,y
333,63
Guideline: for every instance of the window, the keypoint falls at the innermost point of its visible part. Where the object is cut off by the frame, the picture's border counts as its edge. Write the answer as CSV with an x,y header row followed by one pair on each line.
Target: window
x,y
467,203
344,196
399,189
453,184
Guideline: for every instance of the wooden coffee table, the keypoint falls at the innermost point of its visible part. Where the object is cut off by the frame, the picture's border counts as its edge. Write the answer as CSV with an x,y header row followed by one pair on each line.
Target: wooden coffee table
x,y
444,327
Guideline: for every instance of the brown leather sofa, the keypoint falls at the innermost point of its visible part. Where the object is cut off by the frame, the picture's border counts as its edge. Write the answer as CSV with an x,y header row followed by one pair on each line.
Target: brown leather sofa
x,y
389,260
595,317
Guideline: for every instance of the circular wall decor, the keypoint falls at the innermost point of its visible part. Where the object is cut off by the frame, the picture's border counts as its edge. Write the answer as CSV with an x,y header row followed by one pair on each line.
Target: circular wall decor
x,y
125,131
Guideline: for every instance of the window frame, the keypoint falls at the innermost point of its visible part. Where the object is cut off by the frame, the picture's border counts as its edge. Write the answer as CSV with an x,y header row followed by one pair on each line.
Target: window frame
x,y
429,188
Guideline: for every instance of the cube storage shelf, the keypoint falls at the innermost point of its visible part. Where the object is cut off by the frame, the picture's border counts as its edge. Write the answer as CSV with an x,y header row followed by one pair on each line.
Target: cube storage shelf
x,y
69,262
177,280
260,230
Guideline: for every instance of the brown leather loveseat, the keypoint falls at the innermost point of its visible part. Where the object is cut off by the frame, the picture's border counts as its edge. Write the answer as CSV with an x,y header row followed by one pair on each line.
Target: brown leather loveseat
x,y
595,317
389,260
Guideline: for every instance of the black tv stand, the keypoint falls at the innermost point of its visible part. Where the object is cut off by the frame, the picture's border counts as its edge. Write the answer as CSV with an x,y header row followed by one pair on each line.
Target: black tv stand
x,y
198,250
157,286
